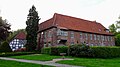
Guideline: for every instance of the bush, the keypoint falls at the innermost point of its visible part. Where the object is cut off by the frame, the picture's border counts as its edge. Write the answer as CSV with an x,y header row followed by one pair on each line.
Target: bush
x,y
59,49
54,50
15,54
46,50
5,47
80,50
106,52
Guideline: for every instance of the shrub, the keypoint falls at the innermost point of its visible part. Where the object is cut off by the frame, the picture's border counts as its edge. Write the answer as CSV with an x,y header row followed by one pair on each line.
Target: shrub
x,y
106,52
59,49
80,50
46,50
15,54
5,47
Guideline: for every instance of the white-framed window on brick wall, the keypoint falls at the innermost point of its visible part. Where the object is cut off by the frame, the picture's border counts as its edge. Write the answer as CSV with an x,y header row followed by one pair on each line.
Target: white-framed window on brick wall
x,y
86,36
94,36
71,34
49,34
91,37
81,35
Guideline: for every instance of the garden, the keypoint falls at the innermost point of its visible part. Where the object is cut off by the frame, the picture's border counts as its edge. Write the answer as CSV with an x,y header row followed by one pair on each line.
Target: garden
x,y
81,54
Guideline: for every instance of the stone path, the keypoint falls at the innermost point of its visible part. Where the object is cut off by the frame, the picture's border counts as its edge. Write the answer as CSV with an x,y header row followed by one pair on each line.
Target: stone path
x,y
51,63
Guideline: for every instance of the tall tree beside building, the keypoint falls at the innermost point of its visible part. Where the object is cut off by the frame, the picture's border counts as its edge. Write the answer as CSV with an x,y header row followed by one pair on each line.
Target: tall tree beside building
x,y
31,29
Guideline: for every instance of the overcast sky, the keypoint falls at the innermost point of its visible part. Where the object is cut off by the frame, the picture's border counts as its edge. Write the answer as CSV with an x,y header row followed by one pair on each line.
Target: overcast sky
x,y
105,12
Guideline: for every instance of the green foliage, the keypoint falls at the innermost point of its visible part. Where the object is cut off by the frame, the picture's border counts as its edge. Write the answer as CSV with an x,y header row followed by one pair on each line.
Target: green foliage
x,y
112,28
46,50
58,50
55,50
118,24
5,47
32,29
117,40
106,52
4,29
80,50
15,54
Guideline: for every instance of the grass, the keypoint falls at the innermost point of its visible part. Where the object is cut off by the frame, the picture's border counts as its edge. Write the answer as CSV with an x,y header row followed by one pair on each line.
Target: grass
x,y
88,62
92,62
6,63
42,57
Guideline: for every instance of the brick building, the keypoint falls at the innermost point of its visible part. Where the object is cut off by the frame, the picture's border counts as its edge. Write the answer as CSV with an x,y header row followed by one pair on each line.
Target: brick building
x,y
67,30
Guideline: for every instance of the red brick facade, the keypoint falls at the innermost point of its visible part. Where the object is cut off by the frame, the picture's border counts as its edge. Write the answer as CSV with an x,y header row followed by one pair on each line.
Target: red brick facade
x,y
66,30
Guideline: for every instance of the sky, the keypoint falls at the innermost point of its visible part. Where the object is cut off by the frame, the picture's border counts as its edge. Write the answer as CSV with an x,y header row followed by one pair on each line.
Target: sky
x,y
105,12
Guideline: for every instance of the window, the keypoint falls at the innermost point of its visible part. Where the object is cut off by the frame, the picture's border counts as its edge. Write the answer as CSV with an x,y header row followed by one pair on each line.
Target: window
x,y
45,34
49,34
62,33
102,37
81,35
98,37
90,36
86,36
105,38
94,37
72,35
72,43
111,39
108,38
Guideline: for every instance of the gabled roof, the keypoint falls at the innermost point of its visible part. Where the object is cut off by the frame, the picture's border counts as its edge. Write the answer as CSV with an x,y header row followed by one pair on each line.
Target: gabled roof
x,y
20,35
72,23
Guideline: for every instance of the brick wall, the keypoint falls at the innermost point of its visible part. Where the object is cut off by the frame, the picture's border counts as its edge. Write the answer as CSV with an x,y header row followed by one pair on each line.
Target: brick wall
x,y
97,39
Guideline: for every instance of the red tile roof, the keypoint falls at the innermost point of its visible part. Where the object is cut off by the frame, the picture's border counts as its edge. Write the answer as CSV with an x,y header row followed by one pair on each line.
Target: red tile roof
x,y
72,23
20,35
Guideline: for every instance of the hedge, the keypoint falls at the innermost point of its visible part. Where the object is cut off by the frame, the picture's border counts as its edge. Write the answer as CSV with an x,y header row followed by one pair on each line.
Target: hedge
x,y
81,50
85,51
58,50
106,52
15,54
46,50
54,50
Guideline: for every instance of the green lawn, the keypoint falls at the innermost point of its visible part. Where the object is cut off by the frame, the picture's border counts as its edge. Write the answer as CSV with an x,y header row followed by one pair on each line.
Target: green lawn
x,y
90,62
41,57
6,63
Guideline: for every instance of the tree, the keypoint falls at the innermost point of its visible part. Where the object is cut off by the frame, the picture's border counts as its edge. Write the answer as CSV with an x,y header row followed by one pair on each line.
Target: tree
x,y
14,33
117,40
5,47
112,28
118,24
32,29
4,29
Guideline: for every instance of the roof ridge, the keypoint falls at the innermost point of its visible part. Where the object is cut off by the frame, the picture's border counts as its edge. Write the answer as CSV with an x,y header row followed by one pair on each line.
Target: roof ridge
x,y
76,18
